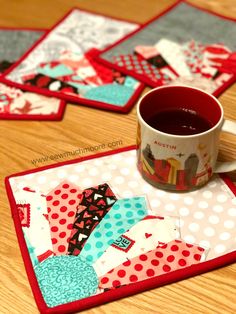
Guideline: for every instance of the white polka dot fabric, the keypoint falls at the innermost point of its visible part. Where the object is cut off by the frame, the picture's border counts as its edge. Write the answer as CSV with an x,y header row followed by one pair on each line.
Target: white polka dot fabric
x,y
207,216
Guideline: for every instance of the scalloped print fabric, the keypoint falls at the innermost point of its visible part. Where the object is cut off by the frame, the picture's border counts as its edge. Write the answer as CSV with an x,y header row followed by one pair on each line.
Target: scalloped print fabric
x,y
139,232
64,279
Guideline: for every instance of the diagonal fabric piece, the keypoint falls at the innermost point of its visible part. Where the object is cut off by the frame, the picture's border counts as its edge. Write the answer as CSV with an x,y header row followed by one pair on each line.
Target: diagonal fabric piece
x,y
122,216
64,279
94,205
142,237
32,211
168,257
173,54
62,202
193,53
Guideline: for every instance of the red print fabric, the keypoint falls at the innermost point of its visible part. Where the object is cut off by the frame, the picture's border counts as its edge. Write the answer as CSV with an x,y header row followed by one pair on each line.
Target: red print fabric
x,y
62,203
168,257
141,66
94,205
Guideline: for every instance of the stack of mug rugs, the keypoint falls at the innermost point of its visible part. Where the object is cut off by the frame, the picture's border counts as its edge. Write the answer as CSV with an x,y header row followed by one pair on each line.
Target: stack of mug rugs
x,y
61,66
92,230
98,61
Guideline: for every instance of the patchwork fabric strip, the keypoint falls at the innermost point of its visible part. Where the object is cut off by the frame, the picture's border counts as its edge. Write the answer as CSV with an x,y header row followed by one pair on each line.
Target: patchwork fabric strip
x,y
168,257
202,59
94,205
62,202
52,84
32,211
122,216
79,74
64,279
146,235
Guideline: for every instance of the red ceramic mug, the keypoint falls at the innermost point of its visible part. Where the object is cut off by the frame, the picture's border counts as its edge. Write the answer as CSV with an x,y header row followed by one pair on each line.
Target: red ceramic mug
x,y
178,137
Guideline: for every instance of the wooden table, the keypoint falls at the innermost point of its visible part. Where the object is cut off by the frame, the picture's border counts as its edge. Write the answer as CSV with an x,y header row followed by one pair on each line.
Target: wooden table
x,y
22,141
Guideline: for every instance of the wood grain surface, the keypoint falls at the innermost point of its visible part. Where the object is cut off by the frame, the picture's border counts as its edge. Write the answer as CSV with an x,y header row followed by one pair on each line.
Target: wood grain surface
x,y
22,141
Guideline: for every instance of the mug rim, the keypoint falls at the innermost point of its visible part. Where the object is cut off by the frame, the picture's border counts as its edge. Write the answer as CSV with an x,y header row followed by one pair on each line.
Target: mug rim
x,y
220,122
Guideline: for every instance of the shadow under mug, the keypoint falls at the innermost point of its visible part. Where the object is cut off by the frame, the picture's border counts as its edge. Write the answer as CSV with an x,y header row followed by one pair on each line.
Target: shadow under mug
x,y
180,162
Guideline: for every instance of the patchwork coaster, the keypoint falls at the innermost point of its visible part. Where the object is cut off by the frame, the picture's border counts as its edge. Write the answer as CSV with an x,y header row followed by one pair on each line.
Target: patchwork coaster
x,y
16,103
137,239
62,64
175,49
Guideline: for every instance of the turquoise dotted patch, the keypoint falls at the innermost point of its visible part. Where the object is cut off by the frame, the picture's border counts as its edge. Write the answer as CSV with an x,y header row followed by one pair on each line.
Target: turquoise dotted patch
x,y
114,94
121,217
65,278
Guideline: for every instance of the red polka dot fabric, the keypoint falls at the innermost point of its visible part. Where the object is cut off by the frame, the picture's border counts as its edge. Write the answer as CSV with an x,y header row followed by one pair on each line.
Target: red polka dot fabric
x,y
61,205
142,67
168,257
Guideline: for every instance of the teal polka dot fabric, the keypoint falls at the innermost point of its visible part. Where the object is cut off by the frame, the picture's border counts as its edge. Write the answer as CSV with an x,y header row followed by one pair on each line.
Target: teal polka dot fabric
x,y
65,278
122,216
113,94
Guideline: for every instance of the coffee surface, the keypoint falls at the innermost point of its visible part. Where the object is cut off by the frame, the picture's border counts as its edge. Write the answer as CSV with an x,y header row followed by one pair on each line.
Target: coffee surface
x,y
179,122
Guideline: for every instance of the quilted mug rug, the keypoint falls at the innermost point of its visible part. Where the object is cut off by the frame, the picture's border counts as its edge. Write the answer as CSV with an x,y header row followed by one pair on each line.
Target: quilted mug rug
x,y
174,48
62,64
92,230
16,103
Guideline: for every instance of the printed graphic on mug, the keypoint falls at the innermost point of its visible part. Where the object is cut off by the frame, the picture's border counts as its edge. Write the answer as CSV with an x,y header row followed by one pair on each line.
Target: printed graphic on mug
x,y
178,137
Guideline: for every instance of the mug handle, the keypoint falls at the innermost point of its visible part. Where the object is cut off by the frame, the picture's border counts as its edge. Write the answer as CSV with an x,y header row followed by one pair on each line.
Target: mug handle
x,y
229,126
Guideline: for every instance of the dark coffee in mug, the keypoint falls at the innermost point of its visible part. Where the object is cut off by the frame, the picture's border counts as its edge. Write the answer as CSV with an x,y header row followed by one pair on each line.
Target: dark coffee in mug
x,y
178,137
179,121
